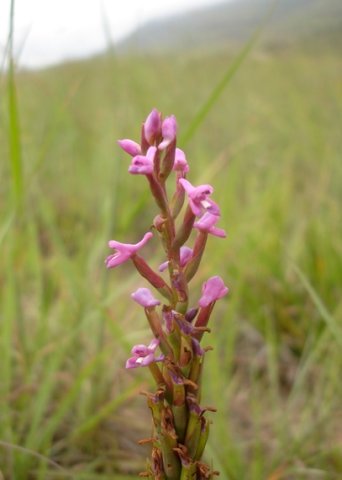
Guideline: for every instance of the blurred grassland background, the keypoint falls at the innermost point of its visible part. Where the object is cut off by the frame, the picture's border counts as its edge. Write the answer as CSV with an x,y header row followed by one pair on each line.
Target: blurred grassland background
x,y
271,146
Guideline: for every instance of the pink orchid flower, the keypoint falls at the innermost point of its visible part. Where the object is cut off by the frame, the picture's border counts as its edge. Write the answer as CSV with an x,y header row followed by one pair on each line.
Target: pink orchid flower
x,y
185,255
198,198
143,164
124,251
213,289
207,224
144,297
144,355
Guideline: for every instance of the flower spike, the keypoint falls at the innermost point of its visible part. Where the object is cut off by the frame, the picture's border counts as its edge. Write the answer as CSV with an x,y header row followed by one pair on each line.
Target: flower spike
x,y
180,428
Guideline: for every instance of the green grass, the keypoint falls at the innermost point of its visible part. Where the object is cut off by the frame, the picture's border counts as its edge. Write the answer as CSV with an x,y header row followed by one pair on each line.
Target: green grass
x,y
271,147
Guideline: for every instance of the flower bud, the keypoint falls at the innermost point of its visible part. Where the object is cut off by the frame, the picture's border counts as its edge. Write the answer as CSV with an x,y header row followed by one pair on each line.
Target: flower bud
x,y
191,314
130,147
152,126
180,164
169,131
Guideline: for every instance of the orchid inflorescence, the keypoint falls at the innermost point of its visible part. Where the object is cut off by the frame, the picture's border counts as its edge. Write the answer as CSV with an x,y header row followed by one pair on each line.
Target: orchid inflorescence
x,y
180,429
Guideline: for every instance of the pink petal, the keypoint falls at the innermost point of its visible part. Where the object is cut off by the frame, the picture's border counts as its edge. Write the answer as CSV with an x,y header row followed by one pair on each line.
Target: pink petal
x,y
143,241
144,297
143,164
202,191
169,131
140,169
210,206
130,247
196,209
185,255
118,245
144,361
206,221
213,289
116,259
140,350
163,266
152,126
132,363
186,185
124,250
198,198
206,224
153,345
218,232
180,163
130,147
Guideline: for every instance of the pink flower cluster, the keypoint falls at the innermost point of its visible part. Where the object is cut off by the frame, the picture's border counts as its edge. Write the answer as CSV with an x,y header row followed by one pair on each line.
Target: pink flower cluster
x,y
156,157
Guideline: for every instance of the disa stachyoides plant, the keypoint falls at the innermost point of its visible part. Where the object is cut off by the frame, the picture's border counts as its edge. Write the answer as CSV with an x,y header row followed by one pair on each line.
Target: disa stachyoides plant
x,y
174,355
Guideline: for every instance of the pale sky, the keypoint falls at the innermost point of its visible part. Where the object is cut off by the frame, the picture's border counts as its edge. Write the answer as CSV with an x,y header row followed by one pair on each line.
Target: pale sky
x,y
49,31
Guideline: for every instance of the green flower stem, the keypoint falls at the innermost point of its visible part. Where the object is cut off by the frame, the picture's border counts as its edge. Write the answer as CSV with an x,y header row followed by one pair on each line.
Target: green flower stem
x,y
195,375
202,440
180,413
157,375
193,432
155,407
171,461
174,340
188,472
168,441
179,408
185,351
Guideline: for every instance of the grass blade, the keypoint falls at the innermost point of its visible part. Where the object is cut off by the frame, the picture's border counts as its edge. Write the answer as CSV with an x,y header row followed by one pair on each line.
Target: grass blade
x,y
92,422
14,125
323,311
225,80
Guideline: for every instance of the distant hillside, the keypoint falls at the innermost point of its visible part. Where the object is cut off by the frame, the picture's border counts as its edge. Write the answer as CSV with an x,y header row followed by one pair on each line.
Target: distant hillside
x,y
293,21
